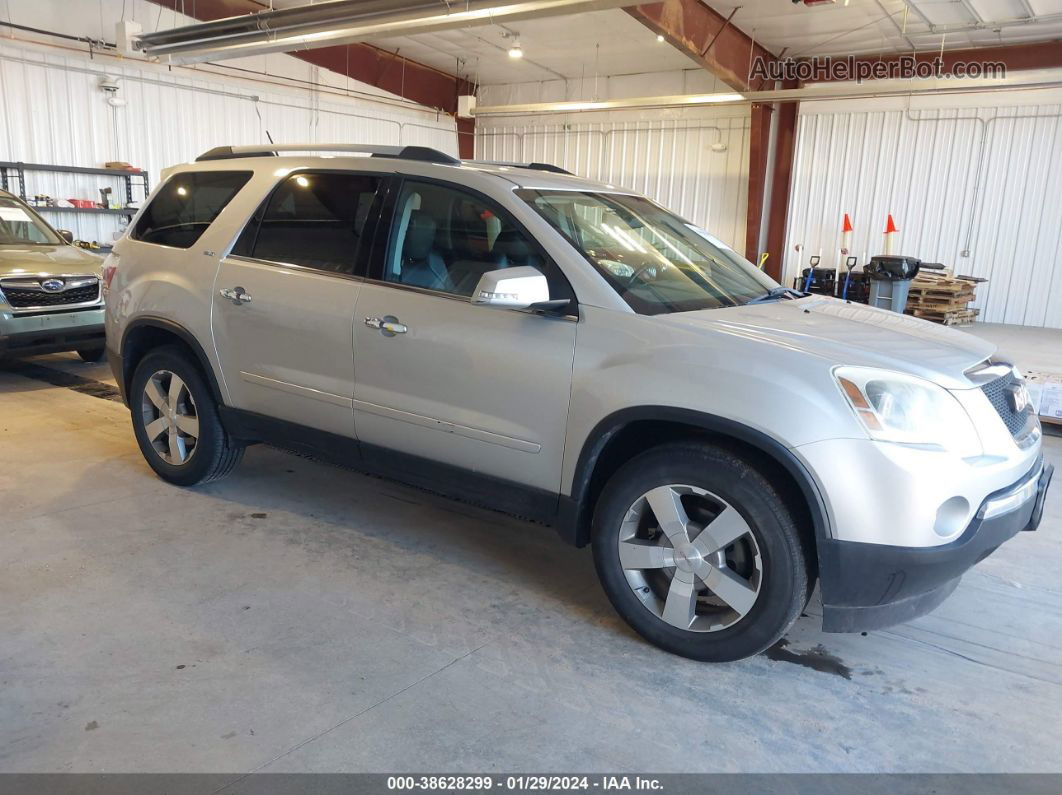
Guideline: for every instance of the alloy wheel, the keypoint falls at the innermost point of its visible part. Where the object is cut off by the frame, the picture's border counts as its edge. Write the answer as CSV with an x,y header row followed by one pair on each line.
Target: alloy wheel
x,y
171,421
690,558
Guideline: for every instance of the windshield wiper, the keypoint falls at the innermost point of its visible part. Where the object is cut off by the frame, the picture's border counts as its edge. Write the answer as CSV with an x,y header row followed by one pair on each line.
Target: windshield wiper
x,y
776,294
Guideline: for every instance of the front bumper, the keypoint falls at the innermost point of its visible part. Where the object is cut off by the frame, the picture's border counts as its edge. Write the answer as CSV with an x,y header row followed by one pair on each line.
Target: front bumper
x,y
870,586
50,332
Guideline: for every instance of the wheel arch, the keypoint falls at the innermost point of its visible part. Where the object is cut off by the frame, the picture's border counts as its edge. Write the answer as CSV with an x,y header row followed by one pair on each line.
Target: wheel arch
x,y
147,333
624,434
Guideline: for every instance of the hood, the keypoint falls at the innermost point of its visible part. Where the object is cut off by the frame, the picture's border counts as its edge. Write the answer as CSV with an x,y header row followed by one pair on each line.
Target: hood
x,y
48,261
852,334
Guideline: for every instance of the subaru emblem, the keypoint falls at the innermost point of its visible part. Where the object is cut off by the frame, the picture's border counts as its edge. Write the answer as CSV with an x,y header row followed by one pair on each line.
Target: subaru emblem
x,y
52,285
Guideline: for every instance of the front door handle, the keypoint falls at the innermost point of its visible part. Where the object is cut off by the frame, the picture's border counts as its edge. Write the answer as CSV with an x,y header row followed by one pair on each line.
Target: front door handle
x,y
235,294
388,326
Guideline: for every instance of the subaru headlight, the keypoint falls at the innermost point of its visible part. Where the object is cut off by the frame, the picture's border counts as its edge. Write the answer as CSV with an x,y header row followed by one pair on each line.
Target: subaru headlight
x,y
895,407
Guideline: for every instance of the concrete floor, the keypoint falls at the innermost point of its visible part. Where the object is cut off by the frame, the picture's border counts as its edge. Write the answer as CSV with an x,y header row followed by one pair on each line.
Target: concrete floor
x,y
298,617
1031,348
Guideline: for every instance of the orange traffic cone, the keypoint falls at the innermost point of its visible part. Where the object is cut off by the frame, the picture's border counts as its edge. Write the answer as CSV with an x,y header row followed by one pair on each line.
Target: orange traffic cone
x,y
890,233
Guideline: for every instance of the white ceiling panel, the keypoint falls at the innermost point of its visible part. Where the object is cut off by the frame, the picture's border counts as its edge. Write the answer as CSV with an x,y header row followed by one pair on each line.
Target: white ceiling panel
x,y
605,43
946,12
891,26
583,45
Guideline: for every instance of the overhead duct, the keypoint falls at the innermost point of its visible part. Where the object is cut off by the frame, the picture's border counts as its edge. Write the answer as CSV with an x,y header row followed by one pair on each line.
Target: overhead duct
x,y
345,22
808,93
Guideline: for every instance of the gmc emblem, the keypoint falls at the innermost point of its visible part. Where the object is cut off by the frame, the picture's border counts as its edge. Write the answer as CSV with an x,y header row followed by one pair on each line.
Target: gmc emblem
x,y
1018,397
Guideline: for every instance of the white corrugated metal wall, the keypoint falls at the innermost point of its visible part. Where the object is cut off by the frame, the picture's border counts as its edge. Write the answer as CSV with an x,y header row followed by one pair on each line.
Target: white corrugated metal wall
x,y
53,111
976,185
667,154
671,161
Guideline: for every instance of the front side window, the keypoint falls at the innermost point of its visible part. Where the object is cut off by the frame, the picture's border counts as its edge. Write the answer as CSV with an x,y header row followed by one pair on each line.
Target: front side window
x,y
445,239
316,220
20,226
653,259
186,205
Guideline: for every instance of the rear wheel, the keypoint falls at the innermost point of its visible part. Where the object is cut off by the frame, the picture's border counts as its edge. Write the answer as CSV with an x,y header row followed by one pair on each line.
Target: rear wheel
x,y
699,554
90,354
176,422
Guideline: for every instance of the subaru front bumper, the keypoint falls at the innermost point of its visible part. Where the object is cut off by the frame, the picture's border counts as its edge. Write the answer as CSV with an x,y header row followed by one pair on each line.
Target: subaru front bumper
x,y
50,332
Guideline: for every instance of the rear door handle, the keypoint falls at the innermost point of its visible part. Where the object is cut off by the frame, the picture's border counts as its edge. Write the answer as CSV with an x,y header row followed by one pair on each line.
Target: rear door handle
x,y
235,294
388,326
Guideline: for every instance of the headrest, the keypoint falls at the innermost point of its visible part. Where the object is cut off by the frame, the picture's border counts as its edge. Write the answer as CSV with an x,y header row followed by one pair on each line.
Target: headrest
x,y
469,231
513,245
420,236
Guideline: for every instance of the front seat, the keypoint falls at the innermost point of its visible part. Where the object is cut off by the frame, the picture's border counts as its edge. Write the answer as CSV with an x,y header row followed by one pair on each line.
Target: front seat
x,y
511,250
422,265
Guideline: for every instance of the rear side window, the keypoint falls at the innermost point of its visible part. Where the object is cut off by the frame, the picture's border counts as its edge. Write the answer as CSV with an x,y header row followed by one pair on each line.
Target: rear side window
x,y
186,205
316,220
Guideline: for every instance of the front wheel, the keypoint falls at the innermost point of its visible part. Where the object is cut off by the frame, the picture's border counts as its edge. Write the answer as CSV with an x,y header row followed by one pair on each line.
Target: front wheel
x,y
90,354
699,554
176,422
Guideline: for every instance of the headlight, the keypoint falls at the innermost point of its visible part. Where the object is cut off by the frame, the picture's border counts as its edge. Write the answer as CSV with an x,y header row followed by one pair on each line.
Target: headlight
x,y
900,408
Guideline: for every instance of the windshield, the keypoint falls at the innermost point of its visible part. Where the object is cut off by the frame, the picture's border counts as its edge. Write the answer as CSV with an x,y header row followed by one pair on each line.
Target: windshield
x,y
20,226
657,262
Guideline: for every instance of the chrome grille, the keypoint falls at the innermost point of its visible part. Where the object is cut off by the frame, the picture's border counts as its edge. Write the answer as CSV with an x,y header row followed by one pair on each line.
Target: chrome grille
x,y
998,392
29,294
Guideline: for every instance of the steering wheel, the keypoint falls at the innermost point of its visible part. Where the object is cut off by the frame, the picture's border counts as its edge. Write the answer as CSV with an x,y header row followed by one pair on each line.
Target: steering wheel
x,y
639,271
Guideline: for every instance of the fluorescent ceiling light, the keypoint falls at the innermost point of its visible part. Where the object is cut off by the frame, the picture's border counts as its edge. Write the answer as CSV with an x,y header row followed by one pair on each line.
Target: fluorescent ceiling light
x,y
711,99
818,91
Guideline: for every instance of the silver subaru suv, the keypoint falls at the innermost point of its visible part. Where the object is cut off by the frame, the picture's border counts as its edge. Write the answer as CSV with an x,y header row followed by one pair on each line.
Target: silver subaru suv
x,y
572,353
50,297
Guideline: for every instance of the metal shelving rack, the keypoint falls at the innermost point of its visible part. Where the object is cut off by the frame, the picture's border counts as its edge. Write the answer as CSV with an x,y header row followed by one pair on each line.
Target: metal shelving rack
x,y
16,172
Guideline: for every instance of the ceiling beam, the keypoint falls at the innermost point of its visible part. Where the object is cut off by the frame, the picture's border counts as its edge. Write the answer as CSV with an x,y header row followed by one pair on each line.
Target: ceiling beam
x,y
723,49
365,63
707,37
1016,57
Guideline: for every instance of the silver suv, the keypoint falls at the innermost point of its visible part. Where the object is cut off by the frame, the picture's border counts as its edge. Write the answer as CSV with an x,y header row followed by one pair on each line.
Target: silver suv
x,y
572,353
50,298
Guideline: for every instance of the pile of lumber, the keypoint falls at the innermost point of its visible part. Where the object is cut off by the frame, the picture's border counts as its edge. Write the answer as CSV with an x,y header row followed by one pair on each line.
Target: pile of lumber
x,y
943,298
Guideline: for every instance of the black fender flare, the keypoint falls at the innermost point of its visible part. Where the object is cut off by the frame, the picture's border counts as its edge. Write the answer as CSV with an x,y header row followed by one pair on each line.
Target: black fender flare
x,y
575,510
182,334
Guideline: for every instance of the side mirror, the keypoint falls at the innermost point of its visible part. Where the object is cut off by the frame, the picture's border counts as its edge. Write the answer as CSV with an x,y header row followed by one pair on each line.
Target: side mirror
x,y
511,288
66,235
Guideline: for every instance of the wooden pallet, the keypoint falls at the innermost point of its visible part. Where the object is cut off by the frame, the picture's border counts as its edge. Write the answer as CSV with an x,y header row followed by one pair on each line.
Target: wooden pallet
x,y
942,298
953,317
934,302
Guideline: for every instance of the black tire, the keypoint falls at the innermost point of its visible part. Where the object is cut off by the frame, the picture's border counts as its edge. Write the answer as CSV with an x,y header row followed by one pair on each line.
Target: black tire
x,y
785,578
215,453
90,354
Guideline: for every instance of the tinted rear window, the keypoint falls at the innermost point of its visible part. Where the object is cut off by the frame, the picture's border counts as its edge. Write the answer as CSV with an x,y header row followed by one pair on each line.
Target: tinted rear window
x,y
313,219
186,205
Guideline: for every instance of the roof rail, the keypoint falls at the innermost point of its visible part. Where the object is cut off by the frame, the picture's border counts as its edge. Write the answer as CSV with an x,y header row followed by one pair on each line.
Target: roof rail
x,y
421,153
534,166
